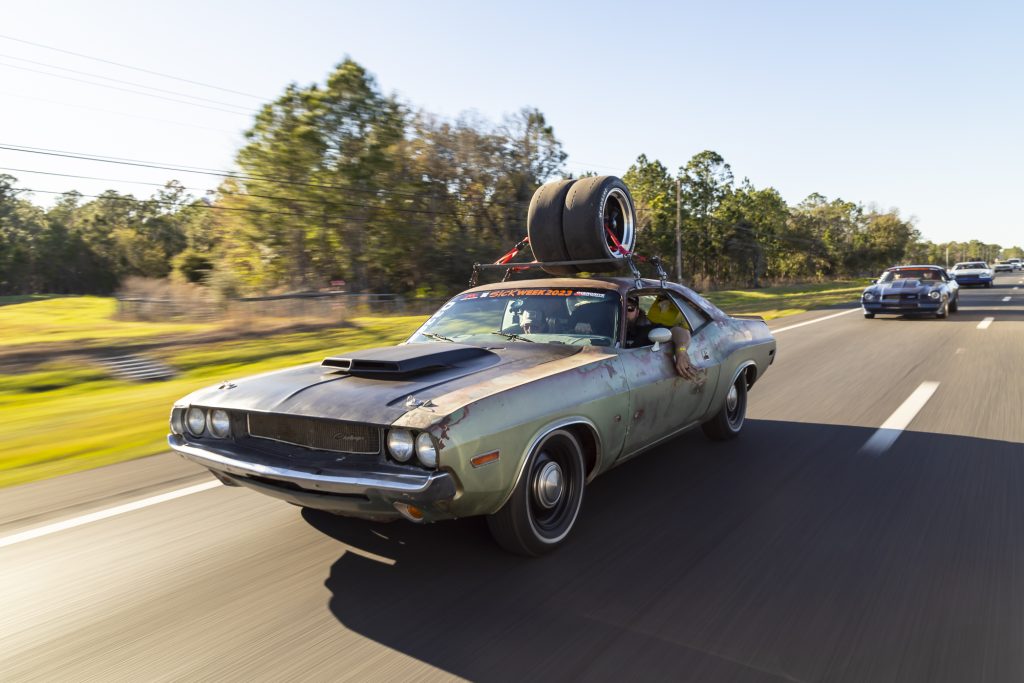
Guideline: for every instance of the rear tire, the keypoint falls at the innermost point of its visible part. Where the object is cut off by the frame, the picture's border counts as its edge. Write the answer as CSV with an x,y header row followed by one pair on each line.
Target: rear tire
x,y
593,203
543,508
544,225
727,422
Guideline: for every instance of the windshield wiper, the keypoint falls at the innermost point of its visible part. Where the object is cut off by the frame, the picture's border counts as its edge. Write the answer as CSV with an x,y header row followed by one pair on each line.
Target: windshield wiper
x,y
513,337
440,337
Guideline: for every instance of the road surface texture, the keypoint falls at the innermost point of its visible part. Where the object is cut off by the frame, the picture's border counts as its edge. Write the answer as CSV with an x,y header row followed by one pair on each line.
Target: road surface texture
x,y
813,548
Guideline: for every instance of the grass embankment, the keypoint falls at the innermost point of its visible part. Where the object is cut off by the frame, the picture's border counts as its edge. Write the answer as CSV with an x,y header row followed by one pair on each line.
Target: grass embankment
x,y
775,302
69,415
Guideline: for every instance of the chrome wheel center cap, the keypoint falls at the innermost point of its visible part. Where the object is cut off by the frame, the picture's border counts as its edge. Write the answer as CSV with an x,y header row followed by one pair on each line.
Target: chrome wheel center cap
x,y
732,399
547,486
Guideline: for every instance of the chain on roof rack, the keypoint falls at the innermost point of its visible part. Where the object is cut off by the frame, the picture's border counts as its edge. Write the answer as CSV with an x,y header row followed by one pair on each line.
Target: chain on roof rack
x,y
630,260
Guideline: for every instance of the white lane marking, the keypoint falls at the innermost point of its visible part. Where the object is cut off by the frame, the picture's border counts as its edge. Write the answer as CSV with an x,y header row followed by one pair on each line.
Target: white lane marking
x,y
816,320
983,325
104,514
891,429
960,350
1016,287
1006,298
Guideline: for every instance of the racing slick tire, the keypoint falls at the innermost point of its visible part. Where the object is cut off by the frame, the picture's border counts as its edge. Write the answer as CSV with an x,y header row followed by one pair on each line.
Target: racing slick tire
x,y
544,225
727,422
594,208
545,503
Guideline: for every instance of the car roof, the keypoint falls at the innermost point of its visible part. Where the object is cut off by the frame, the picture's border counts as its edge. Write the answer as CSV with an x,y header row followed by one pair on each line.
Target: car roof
x,y
616,284
916,267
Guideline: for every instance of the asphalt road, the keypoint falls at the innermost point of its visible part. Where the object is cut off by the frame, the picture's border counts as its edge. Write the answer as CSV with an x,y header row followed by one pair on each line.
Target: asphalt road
x,y
809,549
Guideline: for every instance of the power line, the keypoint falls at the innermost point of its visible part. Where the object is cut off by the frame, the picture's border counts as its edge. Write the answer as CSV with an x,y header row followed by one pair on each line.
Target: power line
x,y
221,174
128,66
118,80
129,90
118,113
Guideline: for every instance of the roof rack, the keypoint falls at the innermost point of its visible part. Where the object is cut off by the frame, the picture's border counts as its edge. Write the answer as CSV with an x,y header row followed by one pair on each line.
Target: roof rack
x,y
631,260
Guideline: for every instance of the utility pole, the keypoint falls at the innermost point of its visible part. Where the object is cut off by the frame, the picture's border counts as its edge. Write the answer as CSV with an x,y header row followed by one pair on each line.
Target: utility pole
x,y
679,238
947,257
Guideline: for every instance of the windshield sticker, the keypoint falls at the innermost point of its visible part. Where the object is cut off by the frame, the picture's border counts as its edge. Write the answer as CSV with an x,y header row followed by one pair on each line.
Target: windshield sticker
x,y
596,295
531,292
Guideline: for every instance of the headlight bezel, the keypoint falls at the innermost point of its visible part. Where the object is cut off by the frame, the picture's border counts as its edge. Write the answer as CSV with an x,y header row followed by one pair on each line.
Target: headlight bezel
x,y
868,296
935,294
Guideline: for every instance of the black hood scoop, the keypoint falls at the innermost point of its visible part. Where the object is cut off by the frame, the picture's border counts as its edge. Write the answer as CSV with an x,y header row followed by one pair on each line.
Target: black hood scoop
x,y
408,360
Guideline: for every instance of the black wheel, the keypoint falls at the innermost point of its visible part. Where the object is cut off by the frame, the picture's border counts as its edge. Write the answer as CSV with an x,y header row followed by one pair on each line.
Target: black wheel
x,y
544,225
727,422
988,285
943,310
543,508
596,210
869,316
954,305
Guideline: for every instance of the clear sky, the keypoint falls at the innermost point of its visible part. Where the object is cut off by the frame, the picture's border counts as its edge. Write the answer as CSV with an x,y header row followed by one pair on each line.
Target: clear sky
x,y
916,106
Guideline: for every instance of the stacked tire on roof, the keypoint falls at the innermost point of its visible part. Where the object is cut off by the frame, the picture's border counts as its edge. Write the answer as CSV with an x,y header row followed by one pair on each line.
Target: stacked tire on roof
x,y
581,220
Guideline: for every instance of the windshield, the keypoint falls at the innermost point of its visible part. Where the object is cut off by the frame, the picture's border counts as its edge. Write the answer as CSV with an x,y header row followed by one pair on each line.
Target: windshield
x,y
972,265
579,316
916,274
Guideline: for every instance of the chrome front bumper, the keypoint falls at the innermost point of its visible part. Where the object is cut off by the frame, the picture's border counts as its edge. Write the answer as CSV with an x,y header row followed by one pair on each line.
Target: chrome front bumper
x,y
368,491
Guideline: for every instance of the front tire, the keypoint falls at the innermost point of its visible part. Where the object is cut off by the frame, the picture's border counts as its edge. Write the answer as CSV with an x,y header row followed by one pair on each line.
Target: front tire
x,y
954,305
943,310
727,422
869,316
543,508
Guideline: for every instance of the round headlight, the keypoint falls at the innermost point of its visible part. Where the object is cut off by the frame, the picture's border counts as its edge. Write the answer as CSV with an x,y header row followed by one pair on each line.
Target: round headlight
x,y
400,444
220,423
934,295
868,296
195,418
425,450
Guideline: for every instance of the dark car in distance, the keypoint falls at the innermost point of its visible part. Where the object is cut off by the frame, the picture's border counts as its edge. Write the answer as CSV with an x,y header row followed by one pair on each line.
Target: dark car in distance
x,y
912,290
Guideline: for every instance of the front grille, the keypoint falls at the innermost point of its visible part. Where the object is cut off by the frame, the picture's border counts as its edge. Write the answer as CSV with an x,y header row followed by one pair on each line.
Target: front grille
x,y
311,432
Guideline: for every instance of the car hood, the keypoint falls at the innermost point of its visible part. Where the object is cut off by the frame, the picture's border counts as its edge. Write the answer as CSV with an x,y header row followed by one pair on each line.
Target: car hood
x,y
903,286
374,385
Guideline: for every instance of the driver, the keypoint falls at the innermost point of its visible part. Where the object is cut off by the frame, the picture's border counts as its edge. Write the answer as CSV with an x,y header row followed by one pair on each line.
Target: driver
x,y
532,320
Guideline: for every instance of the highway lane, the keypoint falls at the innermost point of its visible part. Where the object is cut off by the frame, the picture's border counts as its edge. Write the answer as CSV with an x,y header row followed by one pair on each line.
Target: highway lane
x,y
788,554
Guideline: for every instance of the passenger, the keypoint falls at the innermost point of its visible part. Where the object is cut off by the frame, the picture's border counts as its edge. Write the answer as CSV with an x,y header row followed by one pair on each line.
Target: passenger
x,y
639,325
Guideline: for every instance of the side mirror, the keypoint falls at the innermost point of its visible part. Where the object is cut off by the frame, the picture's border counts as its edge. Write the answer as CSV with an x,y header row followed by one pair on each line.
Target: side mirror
x,y
659,336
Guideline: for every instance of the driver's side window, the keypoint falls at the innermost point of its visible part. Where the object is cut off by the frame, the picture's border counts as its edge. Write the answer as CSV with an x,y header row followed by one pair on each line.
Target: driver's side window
x,y
652,309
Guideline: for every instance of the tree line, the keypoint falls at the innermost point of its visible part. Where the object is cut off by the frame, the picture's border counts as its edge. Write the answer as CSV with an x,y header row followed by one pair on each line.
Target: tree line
x,y
340,182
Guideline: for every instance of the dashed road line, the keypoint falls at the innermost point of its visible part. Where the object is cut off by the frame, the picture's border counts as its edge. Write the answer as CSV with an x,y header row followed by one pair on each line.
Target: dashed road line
x,y
816,320
891,429
1006,298
105,514
984,324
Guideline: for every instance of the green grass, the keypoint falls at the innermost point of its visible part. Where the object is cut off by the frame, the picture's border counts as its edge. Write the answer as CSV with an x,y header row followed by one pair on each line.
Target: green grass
x,y
776,302
78,320
69,415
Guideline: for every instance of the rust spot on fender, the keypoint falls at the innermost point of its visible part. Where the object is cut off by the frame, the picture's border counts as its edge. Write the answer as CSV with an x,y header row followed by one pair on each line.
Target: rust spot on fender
x,y
440,430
